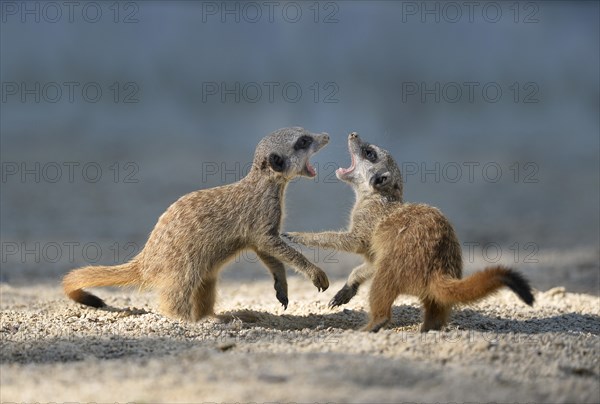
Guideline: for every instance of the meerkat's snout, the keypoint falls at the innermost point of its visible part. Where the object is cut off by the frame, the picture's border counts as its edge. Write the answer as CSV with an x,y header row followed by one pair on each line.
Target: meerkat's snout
x,y
354,145
321,141
317,142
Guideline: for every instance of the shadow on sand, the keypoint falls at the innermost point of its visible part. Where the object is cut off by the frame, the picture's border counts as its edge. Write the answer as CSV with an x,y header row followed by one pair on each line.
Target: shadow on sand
x,y
407,316
72,347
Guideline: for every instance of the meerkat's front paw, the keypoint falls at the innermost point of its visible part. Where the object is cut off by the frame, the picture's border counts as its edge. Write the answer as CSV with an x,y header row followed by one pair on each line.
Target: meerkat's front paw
x,y
319,279
344,295
281,293
283,299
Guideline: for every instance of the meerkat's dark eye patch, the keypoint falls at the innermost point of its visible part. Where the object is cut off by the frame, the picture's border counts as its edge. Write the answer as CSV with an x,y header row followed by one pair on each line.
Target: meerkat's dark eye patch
x,y
276,162
303,143
369,154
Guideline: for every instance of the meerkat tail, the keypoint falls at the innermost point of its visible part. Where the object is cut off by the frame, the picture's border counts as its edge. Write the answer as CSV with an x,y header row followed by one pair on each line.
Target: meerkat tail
x,y
93,276
479,285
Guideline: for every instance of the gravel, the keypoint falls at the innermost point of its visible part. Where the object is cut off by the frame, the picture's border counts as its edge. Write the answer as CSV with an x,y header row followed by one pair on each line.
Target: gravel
x,y
497,350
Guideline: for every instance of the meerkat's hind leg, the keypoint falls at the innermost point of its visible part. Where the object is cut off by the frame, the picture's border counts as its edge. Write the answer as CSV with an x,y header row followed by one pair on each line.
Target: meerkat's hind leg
x,y
175,302
203,299
436,315
178,294
279,277
358,276
381,298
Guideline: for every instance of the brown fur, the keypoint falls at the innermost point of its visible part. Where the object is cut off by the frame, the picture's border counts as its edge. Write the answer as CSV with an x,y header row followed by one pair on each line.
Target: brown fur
x,y
408,248
201,231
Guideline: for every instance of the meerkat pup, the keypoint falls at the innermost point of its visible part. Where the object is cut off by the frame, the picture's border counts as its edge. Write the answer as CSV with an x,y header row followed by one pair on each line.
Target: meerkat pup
x,y
408,248
202,230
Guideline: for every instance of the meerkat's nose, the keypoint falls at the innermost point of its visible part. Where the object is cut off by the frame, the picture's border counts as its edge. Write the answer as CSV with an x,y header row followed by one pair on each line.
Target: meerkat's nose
x,y
353,135
326,137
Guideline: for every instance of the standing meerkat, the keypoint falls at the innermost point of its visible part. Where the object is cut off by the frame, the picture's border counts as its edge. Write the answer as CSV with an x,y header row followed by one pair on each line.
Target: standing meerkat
x,y
408,248
202,230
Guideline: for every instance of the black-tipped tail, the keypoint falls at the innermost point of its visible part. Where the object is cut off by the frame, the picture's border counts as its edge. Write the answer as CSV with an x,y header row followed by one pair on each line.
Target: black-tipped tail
x,y
83,297
87,277
520,285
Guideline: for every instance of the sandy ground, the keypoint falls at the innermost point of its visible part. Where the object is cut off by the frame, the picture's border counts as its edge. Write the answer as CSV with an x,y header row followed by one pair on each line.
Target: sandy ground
x,y
497,350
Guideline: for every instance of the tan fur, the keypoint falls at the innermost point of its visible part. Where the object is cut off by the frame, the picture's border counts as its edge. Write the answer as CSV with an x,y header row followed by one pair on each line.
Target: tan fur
x,y
408,248
201,231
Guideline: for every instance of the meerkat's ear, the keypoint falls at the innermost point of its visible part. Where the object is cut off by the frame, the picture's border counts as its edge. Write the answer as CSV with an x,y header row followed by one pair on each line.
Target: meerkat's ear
x,y
277,162
379,181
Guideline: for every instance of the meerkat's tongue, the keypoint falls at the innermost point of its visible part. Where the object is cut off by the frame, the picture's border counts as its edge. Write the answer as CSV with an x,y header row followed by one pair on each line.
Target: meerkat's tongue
x,y
310,169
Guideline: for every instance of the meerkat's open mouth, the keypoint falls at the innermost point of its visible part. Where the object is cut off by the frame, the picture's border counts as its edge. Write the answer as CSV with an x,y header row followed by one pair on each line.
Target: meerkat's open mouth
x,y
309,169
346,171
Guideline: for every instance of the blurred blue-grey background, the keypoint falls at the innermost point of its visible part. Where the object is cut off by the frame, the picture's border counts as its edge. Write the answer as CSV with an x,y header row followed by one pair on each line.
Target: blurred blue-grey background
x,y
492,110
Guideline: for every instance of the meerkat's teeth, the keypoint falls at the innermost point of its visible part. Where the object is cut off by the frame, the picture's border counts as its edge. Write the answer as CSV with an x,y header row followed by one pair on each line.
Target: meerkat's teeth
x,y
344,171
310,169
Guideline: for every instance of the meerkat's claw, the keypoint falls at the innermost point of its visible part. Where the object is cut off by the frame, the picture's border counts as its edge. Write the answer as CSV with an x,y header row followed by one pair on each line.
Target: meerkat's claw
x,y
320,280
344,295
281,292
283,299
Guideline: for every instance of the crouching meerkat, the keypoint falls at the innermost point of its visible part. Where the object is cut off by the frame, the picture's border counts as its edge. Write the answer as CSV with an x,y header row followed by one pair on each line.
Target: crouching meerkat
x,y
202,230
408,248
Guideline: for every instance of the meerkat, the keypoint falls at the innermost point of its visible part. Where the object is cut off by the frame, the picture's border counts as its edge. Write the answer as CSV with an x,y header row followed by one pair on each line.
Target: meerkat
x,y
202,230
408,248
